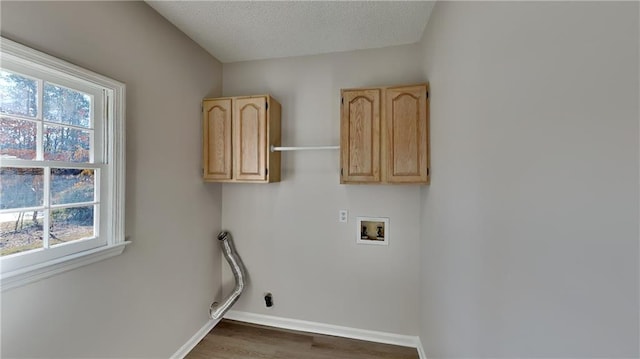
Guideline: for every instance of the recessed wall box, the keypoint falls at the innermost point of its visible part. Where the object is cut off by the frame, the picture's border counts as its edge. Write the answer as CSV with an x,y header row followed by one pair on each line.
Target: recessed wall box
x,y
372,230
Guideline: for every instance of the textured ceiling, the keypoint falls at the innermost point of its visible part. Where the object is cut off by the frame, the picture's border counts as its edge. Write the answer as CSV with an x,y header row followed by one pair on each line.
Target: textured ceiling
x,y
238,30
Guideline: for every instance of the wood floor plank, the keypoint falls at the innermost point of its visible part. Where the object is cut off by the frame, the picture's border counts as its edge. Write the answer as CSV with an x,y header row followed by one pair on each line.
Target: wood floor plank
x,y
261,334
238,340
361,347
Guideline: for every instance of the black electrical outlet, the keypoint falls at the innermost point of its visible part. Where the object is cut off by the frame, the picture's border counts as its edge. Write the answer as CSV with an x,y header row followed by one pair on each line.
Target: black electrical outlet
x,y
268,300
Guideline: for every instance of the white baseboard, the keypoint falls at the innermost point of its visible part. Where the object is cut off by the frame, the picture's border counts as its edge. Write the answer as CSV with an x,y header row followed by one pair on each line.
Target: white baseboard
x,y
328,329
195,339
420,348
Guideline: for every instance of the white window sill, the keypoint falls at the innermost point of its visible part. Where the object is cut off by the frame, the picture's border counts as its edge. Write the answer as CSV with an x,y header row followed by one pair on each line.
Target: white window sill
x,y
34,273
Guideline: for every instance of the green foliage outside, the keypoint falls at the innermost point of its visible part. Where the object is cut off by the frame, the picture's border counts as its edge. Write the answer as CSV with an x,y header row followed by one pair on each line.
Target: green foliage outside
x,y
60,106
66,113
76,186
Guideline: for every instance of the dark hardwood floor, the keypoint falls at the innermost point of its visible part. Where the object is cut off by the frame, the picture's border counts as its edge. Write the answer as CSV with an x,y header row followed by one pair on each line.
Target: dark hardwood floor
x,y
238,340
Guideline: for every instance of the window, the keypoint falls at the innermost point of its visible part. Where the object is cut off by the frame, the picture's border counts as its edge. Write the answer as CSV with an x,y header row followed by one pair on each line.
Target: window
x,y
61,165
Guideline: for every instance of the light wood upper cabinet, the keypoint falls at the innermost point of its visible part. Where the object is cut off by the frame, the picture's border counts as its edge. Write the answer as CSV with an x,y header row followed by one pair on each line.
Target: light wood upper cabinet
x,y
250,124
407,134
360,136
388,141
238,134
217,139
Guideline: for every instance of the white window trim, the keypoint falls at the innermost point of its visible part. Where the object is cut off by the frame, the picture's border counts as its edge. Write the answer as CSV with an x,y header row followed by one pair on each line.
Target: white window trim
x,y
116,143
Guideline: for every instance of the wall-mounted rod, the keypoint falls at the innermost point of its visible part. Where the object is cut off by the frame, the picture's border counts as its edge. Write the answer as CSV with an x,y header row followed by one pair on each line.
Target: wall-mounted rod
x,y
306,148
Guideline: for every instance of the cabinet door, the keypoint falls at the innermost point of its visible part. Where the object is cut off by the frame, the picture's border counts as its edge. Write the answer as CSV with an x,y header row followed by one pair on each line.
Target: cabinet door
x,y
217,139
406,136
249,138
360,136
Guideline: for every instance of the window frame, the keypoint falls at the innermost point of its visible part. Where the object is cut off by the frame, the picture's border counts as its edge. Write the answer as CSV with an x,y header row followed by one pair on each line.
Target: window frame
x,y
113,241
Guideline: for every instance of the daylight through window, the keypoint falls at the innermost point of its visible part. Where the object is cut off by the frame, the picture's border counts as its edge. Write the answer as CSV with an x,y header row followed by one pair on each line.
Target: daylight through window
x,y
61,159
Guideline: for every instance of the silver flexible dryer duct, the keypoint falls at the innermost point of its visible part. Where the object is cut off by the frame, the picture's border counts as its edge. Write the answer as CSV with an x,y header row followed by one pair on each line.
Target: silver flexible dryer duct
x,y
228,249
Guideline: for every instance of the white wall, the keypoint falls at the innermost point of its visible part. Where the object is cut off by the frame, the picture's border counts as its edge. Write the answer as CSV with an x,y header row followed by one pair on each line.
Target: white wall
x,y
529,239
288,233
151,299
530,225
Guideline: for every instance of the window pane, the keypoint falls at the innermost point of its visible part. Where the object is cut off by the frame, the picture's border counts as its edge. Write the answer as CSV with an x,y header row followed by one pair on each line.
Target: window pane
x,y
18,94
18,138
66,144
20,231
70,224
71,185
66,106
21,187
